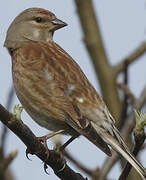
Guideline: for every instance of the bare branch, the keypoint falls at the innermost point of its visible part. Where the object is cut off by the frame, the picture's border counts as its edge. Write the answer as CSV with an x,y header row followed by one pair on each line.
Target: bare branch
x,y
79,165
125,98
7,175
51,158
127,91
8,105
131,58
7,161
10,98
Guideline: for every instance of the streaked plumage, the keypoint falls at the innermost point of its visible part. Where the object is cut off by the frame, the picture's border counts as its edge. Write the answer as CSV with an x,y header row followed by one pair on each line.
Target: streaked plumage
x,y
54,90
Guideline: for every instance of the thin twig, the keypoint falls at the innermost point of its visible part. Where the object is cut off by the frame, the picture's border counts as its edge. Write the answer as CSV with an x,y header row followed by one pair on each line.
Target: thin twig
x,y
10,98
8,106
6,175
134,56
7,161
128,92
125,81
126,97
79,165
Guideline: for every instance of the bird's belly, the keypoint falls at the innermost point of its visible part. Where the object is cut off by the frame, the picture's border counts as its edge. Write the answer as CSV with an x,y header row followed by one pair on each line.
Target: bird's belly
x,y
39,114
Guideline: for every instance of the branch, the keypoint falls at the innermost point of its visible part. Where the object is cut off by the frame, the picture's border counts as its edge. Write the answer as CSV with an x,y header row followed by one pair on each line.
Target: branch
x,y
4,130
127,91
130,122
79,165
7,175
51,158
125,131
125,98
7,161
96,50
139,137
58,143
131,58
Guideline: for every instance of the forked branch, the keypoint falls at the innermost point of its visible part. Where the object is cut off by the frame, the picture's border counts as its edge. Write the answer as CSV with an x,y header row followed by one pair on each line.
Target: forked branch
x,y
131,58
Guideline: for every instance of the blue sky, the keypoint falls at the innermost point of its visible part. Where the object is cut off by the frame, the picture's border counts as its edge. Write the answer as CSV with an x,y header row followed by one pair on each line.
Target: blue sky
x,y
123,29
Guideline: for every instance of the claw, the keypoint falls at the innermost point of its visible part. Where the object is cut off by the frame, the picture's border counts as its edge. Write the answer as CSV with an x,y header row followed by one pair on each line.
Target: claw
x,y
45,168
27,152
44,142
62,168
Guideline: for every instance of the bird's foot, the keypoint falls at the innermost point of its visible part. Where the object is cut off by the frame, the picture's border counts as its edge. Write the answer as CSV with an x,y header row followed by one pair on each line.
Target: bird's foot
x,y
27,152
44,139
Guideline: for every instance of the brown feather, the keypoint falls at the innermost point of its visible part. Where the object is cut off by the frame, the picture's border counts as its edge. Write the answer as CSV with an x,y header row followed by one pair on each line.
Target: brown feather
x,y
31,66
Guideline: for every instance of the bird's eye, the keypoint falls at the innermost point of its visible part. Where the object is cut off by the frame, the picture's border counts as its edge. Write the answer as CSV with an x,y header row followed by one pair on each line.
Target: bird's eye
x,y
38,19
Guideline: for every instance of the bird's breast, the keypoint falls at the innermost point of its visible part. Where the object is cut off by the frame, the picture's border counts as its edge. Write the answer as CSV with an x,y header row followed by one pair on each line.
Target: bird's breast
x,y
36,96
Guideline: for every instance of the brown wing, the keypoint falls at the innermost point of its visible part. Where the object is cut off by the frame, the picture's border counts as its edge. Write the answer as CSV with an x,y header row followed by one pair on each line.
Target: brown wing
x,y
62,81
77,88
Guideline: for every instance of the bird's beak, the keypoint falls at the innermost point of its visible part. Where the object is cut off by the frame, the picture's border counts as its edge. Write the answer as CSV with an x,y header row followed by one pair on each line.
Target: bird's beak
x,y
57,24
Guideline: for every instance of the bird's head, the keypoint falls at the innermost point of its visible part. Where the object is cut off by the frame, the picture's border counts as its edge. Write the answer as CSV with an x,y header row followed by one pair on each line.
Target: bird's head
x,y
33,24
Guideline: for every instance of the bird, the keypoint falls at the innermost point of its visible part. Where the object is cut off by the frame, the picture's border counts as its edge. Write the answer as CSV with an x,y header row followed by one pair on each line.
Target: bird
x,y
53,89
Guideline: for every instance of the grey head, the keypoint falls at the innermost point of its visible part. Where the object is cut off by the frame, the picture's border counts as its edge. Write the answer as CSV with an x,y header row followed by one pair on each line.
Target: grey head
x,y
33,24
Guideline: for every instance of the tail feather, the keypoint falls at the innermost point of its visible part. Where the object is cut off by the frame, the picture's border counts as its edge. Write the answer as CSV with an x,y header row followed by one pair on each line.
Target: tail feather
x,y
107,134
91,134
111,136
123,150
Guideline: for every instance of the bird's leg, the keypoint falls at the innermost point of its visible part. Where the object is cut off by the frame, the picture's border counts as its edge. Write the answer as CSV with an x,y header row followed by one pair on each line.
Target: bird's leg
x,y
44,139
67,143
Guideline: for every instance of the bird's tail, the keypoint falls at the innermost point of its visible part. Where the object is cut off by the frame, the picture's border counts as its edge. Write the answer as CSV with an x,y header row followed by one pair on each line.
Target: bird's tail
x,y
105,134
118,145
